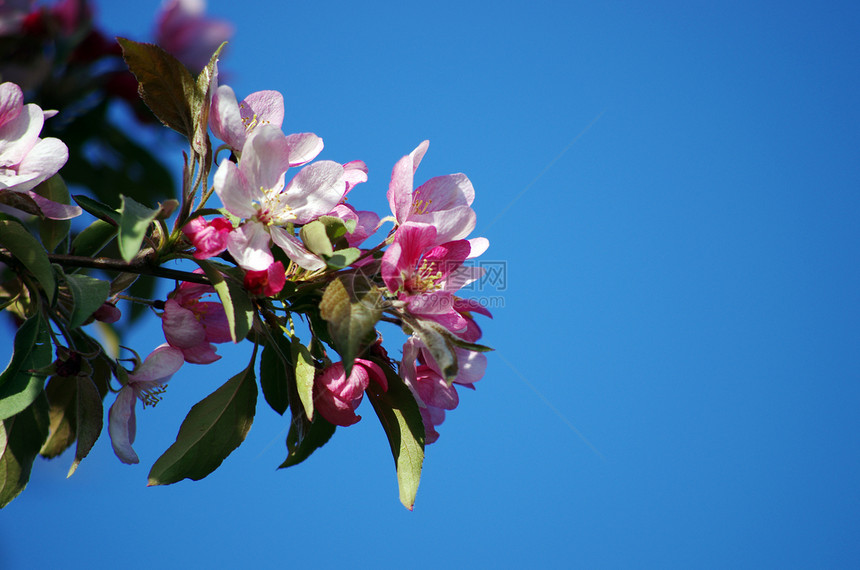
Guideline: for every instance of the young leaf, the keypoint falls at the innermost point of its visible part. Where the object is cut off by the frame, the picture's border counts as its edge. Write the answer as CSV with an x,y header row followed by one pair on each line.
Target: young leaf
x,y
30,253
315,435
401,419
21,437
23,385
133,223
89,294
352,314
165,85
316,239
89,418
212,429
237,305
343,257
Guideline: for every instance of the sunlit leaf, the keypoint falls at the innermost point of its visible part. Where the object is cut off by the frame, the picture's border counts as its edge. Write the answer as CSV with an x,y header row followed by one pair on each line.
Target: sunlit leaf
x,y
23,385
51,231
352,313
134,221
212,429
237,305
93,238
400,417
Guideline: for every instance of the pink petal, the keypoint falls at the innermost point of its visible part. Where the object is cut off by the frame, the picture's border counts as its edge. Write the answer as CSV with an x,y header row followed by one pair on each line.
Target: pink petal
x,y
235,191
11,102
450,225
181,327
122,425
267,107
55,210
303,148
265,158
295,250
249,246
159,366
43,161
479,246
225,119
20,134
315,190
444,192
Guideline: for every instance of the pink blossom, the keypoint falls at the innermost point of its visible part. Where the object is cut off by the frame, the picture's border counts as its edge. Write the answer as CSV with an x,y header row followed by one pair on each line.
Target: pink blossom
x,y
336,397
232,121
443,202
366,223
184,30
145,384
255,191
209,237
426,276
191,325
25,159
267,282
107,313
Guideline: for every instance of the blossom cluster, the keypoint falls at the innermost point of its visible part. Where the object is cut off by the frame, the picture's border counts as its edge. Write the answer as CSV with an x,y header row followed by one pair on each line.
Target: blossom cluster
x,y
283,256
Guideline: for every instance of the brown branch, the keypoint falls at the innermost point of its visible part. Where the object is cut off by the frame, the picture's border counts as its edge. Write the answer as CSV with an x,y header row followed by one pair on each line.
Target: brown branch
x,y
139,267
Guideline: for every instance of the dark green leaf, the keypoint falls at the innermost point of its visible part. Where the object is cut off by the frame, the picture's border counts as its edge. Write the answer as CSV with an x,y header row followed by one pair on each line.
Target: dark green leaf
x,y
89,294
89,418
314,435
400,417
21,437
165,85
212,430
93,238
20,389
51,231
30,253
97,209
277,372
133,224
237,305
352,313
25,338
62,395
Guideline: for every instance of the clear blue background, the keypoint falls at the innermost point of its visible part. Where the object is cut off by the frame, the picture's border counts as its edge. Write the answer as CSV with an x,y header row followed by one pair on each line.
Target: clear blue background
x,y
674,189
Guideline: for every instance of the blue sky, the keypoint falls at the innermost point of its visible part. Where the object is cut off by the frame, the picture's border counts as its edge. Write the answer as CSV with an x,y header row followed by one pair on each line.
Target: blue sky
x,y
673,189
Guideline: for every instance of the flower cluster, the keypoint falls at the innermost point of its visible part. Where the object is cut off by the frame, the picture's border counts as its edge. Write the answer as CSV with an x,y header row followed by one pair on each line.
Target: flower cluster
x,y
283,263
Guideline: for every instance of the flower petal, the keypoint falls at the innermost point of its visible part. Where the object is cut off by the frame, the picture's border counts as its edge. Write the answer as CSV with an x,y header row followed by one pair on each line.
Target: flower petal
x,y
315,190
249,246
122,425
295,250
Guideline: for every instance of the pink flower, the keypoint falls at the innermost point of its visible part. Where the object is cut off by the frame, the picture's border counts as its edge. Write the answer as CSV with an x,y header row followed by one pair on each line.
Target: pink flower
x,y
25,159
146,384
255,190
426,277
428,385
209,237
443,202
191,325
107,313
336,397
266,282
184,30
366,223
232,121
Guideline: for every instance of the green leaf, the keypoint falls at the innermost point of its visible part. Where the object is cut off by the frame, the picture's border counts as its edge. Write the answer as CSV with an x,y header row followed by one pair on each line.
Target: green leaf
x,y
316,239
237,305
134,221
213,428
400,417
89,294
344,257
305,437
30,253
97,209
89,417
51,231
21,437
277,372
25,338
165,85
93,238
352,308
200,105
62,395
305,372
22,386
440,342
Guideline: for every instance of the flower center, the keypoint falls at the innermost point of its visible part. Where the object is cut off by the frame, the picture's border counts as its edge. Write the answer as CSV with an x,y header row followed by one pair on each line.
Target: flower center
x,y
152,395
